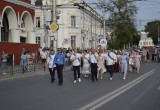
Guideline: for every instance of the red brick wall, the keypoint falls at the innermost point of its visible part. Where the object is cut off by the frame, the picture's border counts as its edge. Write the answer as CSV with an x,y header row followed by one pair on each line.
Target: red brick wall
x,y
16,49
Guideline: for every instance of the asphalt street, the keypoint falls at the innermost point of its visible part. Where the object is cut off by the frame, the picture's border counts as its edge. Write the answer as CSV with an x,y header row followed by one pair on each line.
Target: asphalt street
x,y
37,93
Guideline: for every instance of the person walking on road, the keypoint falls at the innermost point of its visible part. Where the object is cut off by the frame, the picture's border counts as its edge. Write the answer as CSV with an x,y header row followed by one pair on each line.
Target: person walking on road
x,y
110,62
76,61
51,65
137,61
94,66
86,64
59,61
101,66
124,64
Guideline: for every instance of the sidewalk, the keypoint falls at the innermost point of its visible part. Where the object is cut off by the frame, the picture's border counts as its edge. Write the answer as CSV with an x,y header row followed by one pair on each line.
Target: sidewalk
x,y
16,72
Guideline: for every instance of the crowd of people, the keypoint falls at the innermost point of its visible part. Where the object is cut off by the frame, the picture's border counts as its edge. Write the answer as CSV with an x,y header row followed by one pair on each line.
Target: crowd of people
x,y
27,59
94,63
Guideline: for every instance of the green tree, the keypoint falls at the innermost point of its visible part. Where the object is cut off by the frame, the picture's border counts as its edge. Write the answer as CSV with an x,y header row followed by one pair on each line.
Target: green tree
x,y
152,28
121,17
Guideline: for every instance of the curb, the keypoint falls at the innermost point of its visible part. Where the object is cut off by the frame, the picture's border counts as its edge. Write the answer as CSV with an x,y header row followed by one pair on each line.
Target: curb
x,y
26,75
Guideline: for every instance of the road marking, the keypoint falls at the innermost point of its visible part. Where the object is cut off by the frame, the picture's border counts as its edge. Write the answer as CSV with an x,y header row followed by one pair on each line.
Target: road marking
x,y
101,101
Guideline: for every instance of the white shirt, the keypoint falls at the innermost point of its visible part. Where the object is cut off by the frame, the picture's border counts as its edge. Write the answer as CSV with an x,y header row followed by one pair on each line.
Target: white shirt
x,y
131,61
44,55
76,57
104,55
115,57
109,60
94,58
50,60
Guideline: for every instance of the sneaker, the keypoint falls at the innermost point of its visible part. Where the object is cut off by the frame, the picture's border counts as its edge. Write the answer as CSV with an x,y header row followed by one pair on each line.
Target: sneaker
x,y
124,78
79,79
75,81
111,79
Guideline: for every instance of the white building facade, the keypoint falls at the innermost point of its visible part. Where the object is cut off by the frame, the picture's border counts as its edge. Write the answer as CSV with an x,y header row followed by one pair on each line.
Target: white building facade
x,y
42,23
78,23
145,41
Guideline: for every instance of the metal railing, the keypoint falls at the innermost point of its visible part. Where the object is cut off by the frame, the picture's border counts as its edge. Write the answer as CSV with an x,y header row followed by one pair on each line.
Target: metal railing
x,y
31,68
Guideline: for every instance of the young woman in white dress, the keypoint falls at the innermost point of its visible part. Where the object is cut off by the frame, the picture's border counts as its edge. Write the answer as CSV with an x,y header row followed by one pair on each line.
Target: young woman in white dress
x,y
86,64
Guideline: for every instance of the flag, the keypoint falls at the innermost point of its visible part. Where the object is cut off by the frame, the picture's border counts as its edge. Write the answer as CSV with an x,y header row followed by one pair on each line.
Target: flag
x,y
66,41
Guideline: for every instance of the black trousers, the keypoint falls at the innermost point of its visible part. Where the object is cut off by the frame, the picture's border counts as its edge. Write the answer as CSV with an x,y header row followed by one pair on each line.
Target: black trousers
x,y
94,71
52,73
60,73
76,70
110,70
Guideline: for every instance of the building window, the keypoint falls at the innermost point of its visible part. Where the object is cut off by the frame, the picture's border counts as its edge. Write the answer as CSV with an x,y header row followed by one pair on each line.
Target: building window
x,y
38,22
38,41
143,43
73,41
73,21
22,23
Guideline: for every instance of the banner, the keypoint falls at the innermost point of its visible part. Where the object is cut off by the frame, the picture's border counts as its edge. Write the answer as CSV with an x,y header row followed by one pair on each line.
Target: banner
x,y
66,41
100,37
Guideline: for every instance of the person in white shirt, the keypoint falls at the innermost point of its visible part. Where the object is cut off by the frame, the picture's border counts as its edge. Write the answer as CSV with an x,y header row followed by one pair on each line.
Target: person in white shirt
x,y
94,66
44,57
105,53
51,65
110,62
76,61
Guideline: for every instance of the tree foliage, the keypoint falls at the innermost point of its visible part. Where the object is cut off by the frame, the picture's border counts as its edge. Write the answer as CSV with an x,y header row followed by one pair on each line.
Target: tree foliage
x,y
152,28
121,17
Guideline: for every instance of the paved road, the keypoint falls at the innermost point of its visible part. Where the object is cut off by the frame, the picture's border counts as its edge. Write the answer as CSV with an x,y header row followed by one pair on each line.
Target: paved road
x,y
37,93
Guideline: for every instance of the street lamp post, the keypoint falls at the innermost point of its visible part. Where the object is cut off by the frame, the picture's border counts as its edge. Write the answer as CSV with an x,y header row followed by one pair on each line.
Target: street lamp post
x,y
158,35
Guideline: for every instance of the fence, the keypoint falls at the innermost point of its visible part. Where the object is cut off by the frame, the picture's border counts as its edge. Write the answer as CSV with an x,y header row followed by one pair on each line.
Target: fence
x,y
37,67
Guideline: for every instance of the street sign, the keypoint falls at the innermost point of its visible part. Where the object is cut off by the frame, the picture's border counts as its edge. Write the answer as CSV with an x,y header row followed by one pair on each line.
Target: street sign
x,y
100,37
103,42
53,26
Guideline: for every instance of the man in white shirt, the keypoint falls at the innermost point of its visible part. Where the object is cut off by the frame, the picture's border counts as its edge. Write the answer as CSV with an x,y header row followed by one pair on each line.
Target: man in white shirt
x,y
76,61
110,58
94,66
51,65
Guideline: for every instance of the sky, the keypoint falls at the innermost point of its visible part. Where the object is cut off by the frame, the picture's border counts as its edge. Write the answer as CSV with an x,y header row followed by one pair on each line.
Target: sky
x,y
148,10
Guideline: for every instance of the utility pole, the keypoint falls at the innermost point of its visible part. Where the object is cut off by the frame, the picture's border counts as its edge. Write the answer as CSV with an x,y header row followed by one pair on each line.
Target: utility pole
x,y
54,19
45,30
104,32
158,35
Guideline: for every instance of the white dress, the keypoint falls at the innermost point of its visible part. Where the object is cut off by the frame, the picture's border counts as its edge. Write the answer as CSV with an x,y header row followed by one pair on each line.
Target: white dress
x,y
86,65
